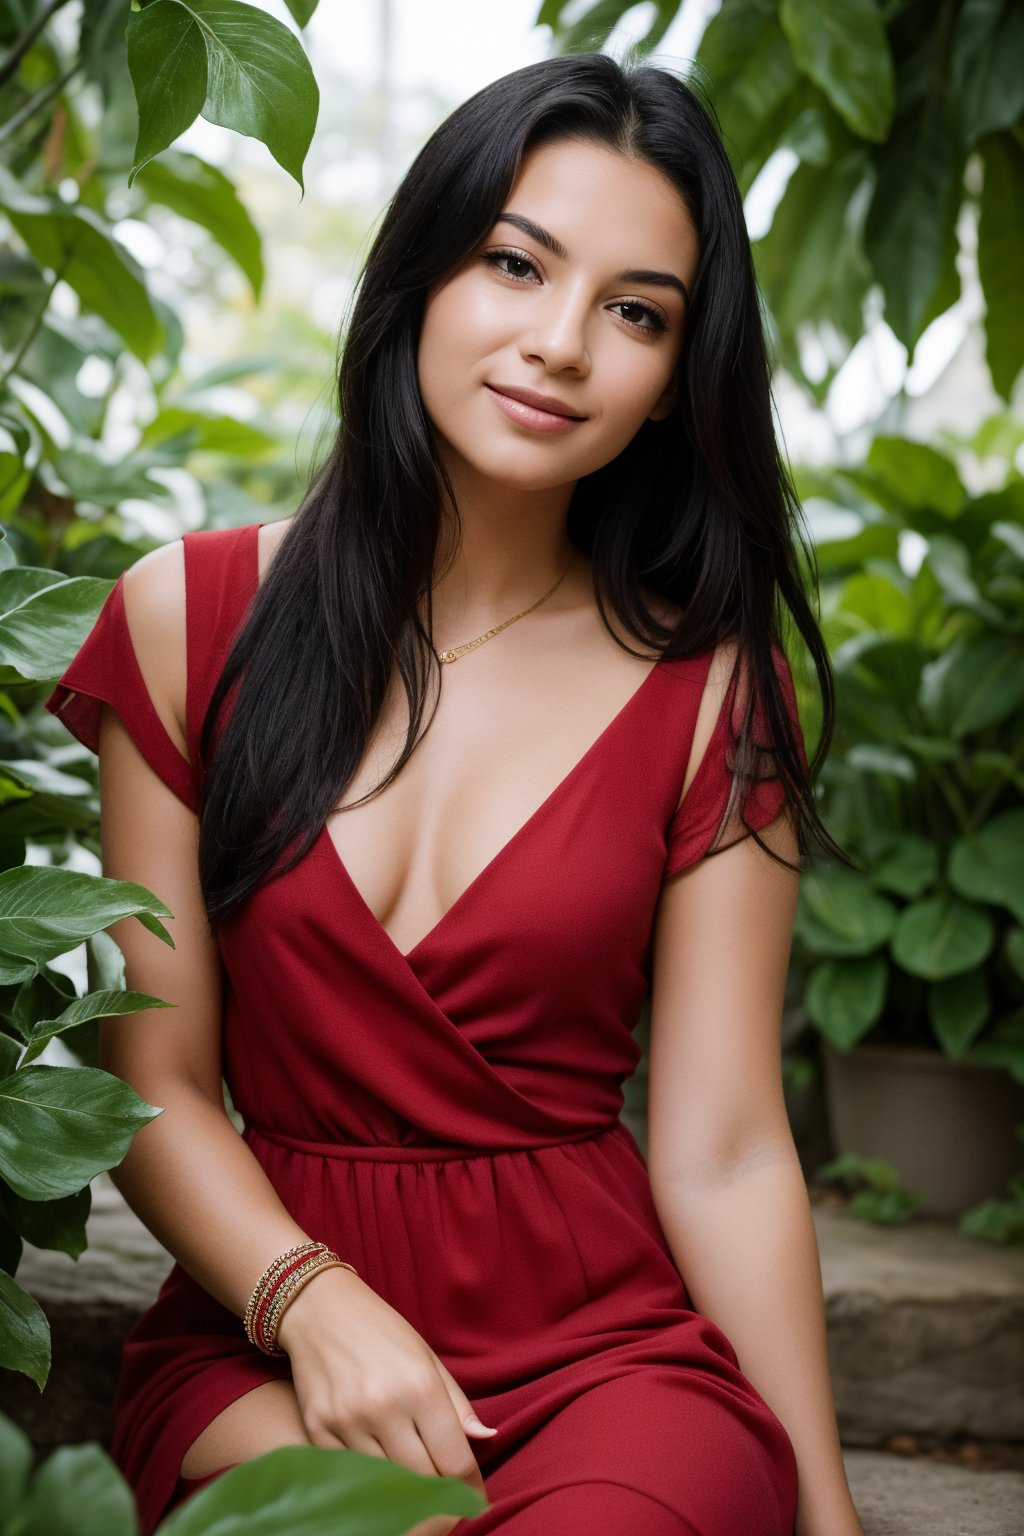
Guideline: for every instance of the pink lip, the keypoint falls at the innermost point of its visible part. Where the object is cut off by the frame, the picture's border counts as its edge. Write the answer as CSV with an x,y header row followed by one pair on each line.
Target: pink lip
x,y
542,413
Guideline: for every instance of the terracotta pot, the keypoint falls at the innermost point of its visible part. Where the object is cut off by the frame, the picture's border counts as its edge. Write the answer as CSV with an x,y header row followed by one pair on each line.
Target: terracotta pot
x,y
946,1126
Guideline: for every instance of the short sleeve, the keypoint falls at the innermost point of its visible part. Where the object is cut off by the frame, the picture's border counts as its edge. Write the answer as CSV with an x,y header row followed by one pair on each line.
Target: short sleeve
x,y
105,670
698,820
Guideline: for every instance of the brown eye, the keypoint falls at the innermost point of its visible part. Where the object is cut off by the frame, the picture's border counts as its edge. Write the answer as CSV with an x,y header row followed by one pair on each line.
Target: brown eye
x,y
519,266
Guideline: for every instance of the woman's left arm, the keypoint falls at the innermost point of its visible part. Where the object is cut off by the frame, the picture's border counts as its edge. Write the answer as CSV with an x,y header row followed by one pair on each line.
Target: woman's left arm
x,y
725,1176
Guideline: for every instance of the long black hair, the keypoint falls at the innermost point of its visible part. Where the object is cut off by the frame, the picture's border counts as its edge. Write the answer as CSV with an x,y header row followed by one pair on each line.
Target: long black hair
x,y
697,508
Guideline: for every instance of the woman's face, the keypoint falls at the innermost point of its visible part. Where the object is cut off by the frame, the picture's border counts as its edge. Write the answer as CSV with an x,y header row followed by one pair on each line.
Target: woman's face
x,y
577,294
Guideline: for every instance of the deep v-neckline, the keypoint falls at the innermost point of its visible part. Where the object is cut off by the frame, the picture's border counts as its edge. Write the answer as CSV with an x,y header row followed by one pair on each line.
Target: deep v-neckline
x,y
326,845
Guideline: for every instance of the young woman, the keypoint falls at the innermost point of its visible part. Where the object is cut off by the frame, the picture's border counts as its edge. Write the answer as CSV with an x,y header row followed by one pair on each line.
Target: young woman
x,y
551,551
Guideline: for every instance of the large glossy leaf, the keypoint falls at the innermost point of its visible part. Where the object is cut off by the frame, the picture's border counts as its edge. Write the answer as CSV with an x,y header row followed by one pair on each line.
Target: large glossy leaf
x,y
845,997
811,262
1001,254
840,914
24,1333
844,49
905,864
93,1005
753,77
988,46
905,229
989,865
78,1491
234,64
46,911
61,1126
74,241
42,628
202,193
58,1225
942,937
912,475
959,1008
977,682
308,1490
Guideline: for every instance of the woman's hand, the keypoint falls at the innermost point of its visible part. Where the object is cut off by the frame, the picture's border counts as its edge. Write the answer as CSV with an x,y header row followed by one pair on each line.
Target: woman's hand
x,y
366,1380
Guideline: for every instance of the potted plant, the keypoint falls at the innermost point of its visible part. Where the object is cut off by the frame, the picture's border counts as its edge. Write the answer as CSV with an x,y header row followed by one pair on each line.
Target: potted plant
x,y
914,965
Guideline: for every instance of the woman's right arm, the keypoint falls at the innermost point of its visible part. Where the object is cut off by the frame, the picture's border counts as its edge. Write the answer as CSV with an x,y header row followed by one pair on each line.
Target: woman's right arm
x,y
363,1376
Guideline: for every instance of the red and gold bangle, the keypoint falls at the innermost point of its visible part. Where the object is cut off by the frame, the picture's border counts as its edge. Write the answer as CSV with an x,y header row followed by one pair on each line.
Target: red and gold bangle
x,y
280,1282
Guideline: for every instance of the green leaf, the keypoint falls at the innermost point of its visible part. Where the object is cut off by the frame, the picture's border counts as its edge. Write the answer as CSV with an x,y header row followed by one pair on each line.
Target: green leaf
x,y
194,431
57,1225
988,80
959,1008
888,762
881,600
301,10
905,227
41,630
1015,950
93,1005
241,68
978,681
308,1490
78,1491
61,1126
906,864
70,238
24,1333
989,865
15,1465
840,914
913,476
198,191
1002,1046
845,997
45,911
746,57
1001,256
942,937
844,49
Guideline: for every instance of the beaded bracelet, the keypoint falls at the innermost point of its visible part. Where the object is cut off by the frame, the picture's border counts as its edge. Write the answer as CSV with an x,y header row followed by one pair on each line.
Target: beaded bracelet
x,y
279,1284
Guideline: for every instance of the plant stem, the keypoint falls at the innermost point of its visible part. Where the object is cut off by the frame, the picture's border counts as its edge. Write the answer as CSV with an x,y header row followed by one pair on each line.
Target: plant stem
x,y
40,99
24,43
33,329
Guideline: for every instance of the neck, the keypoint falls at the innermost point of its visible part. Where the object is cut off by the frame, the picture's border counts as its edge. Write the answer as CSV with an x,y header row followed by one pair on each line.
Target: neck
x,y
512,548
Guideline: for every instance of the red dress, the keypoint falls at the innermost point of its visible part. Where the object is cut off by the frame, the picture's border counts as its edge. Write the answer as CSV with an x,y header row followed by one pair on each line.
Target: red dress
x,y
448,1120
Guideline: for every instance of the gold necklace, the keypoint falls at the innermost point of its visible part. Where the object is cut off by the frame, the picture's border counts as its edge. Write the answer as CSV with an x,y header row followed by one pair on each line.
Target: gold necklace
x,y
460,650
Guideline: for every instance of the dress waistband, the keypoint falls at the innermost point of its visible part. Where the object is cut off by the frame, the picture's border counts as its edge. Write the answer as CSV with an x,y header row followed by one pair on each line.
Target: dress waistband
x,y
428,1152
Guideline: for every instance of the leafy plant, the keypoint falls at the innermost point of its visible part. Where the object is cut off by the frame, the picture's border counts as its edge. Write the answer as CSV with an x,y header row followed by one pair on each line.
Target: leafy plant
x,y
79,106
301,1489
879,1196
925,945
999,1221
898,113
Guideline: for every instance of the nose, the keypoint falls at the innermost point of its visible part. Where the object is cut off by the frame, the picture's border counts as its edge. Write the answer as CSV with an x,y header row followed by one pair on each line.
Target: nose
x,y
555,335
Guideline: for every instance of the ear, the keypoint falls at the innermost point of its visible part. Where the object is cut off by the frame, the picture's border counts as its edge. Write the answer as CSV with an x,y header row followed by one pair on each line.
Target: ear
x,y
666,404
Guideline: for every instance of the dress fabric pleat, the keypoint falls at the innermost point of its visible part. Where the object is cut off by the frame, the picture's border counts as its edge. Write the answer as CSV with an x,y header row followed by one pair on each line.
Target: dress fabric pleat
x,y
448,1120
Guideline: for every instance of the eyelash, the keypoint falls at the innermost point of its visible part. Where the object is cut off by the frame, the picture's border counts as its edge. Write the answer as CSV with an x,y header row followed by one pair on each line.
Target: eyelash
x,y
658,321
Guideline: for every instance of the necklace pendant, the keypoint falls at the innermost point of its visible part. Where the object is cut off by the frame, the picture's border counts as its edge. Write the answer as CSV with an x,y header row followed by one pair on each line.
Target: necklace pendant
x,y
445,656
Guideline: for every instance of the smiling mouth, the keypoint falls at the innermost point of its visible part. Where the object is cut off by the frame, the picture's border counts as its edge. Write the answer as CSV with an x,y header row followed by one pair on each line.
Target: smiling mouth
x,y
542,412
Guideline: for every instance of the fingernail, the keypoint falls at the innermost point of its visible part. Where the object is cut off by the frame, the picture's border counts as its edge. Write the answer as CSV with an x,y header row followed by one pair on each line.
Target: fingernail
x,y
472,1422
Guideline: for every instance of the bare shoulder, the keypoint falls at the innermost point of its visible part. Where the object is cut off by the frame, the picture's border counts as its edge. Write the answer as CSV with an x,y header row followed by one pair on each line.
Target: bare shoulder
x,y
268,541
154,605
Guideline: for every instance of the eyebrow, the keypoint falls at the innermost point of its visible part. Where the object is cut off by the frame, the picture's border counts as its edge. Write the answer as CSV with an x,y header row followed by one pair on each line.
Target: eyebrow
x,y
633,275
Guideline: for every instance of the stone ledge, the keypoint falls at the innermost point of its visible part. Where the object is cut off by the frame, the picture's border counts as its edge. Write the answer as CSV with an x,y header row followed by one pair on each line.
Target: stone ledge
x,y
925,1330
901,1496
